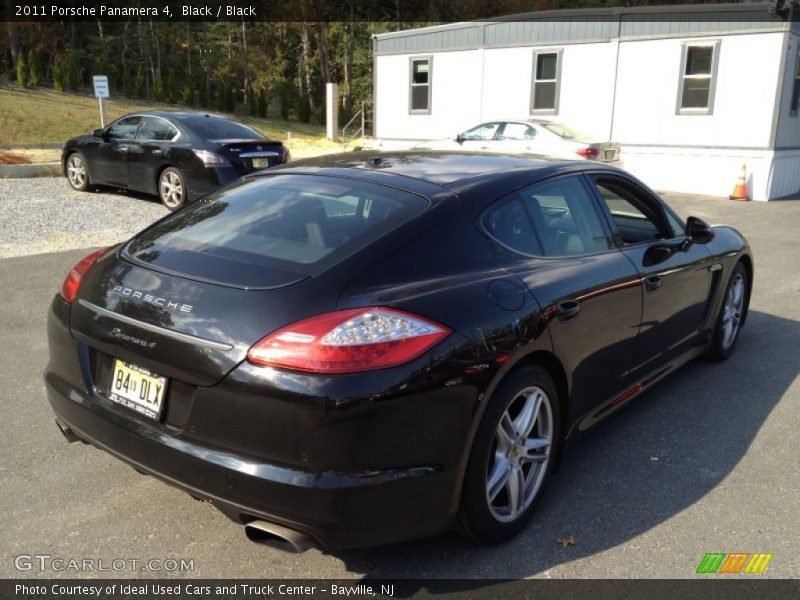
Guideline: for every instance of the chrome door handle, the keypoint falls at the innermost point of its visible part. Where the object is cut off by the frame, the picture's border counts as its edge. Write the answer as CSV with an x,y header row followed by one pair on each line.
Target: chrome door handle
x,y
156,152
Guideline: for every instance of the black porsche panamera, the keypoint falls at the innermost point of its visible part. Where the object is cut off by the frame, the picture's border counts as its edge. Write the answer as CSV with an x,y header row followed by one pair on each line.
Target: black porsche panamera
x,y
359,350
176,155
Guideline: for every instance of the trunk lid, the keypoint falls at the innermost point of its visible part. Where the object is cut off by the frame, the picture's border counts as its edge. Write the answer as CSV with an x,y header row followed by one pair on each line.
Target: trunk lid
x,y
183,329
250,155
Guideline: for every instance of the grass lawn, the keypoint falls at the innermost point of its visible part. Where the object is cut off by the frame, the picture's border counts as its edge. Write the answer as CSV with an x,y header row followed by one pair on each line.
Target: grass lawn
x,y
45,116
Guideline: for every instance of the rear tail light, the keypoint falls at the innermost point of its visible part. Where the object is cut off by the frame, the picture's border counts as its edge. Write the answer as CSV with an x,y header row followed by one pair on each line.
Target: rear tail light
x,y
211,160
349,341
72,282
588,152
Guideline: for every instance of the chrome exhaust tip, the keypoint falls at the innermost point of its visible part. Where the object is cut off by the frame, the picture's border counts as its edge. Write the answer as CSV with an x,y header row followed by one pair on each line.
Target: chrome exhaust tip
x,y
278,536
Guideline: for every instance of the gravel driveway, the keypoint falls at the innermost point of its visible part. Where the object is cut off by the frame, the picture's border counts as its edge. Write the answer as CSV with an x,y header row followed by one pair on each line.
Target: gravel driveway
x,y
47,215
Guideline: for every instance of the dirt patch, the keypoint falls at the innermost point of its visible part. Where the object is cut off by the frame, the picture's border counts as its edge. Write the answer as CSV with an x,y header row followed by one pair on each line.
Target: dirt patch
x,y
7,158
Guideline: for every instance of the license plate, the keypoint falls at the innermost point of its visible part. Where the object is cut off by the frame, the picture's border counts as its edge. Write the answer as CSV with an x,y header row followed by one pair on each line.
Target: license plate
x,y
609,154
260,163
138,389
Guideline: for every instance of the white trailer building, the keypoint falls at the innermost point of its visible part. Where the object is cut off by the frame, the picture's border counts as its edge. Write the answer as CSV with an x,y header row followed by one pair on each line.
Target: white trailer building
x,y
691,92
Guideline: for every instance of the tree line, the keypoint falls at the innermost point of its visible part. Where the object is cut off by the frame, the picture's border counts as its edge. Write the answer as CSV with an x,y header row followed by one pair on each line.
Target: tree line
x,y
262,68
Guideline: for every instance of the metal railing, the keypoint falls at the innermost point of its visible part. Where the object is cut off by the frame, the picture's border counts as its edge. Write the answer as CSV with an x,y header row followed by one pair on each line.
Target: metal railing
x,y
358,133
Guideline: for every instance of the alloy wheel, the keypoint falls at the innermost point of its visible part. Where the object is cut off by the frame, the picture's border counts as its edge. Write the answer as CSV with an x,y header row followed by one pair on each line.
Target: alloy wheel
x,y
76,171
171,189
732,310
520,454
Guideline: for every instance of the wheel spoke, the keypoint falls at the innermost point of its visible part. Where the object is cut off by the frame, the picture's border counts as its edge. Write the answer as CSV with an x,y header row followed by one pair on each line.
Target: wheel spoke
x,y
505,434
515,487
526,418
535,450
498,477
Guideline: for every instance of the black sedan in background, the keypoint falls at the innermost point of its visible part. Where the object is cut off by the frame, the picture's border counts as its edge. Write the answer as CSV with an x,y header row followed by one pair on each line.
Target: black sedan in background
x,y
359,350
177,155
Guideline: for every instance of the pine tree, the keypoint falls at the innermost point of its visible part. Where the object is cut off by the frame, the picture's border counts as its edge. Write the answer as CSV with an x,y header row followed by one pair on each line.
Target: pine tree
x,y
59,73
222,91
158,87
140,86
73,74
203,95
188,93
262,103
252,102
35,68
22,70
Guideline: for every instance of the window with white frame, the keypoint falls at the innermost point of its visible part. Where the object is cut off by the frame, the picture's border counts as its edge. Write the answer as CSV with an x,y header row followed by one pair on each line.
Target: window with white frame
x,y
698,78
545,81
795,105
420,85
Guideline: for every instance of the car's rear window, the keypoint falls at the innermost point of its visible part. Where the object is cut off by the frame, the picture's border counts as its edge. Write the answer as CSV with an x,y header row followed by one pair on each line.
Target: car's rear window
x,y
272,230
216,128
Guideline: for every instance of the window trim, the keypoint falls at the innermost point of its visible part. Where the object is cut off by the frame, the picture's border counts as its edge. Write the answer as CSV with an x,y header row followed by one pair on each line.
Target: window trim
x,y
507,197
175,127
556,102
648,197
712,88
795,85
412,85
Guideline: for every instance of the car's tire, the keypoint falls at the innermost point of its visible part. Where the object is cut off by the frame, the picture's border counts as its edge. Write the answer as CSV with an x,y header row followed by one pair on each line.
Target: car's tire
x,y
730,316
172,188
510,454
77,171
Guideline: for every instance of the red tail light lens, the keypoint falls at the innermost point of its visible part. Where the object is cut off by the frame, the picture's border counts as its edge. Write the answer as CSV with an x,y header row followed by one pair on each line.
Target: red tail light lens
x,y
72,282
588,152
349,341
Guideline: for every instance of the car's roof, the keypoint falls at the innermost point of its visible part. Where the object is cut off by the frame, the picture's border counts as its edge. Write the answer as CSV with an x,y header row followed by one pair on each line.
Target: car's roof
x,y
441,168
179,114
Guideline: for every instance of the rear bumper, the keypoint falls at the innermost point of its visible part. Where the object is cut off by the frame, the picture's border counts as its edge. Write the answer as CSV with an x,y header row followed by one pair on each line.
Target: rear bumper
x,y
401,497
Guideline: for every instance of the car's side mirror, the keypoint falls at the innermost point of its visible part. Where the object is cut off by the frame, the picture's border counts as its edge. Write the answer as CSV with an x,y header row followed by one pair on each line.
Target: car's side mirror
x,y
460,138
698,231
98,133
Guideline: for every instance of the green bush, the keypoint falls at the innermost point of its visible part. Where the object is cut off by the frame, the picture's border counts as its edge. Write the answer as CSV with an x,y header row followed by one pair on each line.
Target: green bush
x,y
187,97
203,95
73,74
222,90
158,88
252,102
22,71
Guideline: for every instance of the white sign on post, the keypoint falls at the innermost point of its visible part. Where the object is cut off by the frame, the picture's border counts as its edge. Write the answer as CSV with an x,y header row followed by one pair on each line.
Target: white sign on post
x,y
100,86
101,91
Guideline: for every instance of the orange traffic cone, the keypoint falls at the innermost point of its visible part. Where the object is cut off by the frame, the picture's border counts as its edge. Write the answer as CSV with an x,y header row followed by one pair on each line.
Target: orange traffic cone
x,y
740,189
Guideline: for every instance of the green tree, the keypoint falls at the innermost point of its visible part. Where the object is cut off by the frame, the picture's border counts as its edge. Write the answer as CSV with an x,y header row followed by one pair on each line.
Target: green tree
x,y
230,98
73,74
127,83
22,70
35,68
222,91
252,102
187,97
261,103
173,87
158,87
140,85
59,72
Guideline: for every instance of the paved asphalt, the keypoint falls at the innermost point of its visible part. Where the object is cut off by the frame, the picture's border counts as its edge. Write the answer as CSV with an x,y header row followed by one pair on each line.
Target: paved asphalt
x,y
705,462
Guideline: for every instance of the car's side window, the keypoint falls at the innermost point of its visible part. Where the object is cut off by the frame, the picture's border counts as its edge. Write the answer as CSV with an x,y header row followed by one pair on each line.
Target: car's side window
x,y
156,129
552,218
635,218
124,129
517,131
485,131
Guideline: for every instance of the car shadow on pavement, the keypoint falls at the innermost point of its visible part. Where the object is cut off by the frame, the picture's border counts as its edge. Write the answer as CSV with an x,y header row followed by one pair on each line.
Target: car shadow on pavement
x,y
647,463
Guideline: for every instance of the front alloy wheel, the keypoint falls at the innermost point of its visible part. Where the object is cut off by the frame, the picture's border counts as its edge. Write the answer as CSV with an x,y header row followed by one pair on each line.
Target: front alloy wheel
x,y
511,457
77,174
171,189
